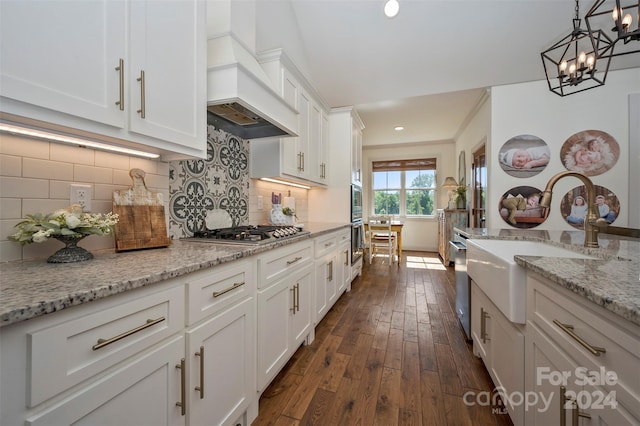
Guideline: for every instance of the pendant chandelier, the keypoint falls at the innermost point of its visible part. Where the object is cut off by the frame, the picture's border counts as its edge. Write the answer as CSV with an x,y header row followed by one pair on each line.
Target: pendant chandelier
x,y
579,61
623,19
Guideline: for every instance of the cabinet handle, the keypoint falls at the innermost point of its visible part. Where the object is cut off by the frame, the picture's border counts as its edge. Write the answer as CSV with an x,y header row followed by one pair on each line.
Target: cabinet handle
x,y
302,153
227,290
575,415
595,350
104,342
330,264
141,80
120,69
483,325
182,404
299,161
346,257
291,262
293,299
201,387
297,297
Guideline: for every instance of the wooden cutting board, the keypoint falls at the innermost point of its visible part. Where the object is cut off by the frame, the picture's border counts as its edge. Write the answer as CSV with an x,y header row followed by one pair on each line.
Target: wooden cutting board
x,y
142,221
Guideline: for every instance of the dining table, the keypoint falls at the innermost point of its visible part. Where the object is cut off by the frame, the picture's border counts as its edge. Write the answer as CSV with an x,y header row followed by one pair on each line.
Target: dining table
x,y
396,226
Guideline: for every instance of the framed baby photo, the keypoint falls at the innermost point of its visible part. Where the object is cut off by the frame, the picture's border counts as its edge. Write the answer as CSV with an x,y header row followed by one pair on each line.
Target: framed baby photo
x,y
574,205
524,156
591,152
519,207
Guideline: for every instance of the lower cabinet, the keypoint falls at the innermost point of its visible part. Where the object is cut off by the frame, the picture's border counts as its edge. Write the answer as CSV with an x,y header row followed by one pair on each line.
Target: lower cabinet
x,y
142,391
284,321
326,284
500,344
580,357
220,368
332,270
344,263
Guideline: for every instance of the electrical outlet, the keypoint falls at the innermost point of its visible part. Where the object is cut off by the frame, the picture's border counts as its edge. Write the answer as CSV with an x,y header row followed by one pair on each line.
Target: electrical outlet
x,y
260,202
81,194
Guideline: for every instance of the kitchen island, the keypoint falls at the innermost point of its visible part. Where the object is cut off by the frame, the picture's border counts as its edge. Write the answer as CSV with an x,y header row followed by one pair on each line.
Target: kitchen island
x,y
581,324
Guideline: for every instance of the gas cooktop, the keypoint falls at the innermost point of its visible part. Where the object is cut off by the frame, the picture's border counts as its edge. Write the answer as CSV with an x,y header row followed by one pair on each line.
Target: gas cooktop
x,y
247,235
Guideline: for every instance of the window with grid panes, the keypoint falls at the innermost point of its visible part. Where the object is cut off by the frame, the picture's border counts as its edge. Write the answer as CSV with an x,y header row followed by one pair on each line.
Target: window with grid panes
x,y
404,187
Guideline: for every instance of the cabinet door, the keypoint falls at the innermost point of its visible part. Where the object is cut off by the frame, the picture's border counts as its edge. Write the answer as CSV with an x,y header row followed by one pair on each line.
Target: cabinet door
x,y
356,154
140,392
326,286
167,43
62,55
295,152
221,364
316,158
480,323
274,307
301,315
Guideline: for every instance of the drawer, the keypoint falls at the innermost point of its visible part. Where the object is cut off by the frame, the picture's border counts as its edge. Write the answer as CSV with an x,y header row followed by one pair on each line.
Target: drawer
x,y
72,351
274,264
213,289
599,329
325,244
344,237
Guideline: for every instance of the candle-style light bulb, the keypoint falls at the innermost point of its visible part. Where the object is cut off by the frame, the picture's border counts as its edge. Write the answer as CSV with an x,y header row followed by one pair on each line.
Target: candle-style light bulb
x,y
591,60
572,70
615,14
626,21
582,58
563,67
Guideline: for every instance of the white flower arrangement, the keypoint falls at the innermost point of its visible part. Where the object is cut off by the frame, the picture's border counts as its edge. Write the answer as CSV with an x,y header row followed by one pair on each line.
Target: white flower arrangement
x,y
69,222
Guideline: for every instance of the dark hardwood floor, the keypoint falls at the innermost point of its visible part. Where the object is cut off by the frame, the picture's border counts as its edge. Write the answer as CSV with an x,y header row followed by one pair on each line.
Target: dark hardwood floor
x,y
390,352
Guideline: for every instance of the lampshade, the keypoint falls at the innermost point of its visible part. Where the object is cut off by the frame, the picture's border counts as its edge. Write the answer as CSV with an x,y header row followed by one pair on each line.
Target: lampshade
x,y
450,183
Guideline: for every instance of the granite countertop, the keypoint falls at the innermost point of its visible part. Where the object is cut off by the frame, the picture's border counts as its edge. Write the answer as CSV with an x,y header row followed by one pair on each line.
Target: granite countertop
x,y
611,281
32,288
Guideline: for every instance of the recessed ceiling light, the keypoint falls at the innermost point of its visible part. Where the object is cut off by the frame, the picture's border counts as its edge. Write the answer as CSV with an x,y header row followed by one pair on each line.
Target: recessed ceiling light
x,y
398,128
391,8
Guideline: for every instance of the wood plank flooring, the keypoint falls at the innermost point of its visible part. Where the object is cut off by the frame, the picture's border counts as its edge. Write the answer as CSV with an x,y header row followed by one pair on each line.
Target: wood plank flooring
x,y
390,352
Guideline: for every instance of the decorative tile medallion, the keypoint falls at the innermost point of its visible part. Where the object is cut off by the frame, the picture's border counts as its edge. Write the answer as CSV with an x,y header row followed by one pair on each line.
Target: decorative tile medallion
x,y
221,181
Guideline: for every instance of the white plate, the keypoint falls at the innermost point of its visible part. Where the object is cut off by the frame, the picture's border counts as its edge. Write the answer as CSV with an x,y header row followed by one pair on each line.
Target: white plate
x,y
218,218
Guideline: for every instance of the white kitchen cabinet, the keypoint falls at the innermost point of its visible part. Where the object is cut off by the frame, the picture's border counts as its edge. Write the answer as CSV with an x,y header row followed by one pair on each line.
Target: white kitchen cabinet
x,y
326,284
220,361
500,344
112,357
344,262
102,67
221,366
305,158
284,307
142,391
593,353
356,150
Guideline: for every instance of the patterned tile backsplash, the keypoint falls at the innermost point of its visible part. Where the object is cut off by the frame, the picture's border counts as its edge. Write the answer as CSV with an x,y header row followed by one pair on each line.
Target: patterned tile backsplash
x,y
221,181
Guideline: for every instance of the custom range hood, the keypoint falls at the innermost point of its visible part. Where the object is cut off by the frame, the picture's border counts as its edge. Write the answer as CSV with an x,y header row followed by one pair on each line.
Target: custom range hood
x,y
240,96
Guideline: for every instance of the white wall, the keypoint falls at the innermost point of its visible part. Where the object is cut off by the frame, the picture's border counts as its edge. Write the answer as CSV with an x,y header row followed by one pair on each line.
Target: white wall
x,y
530,108
417,234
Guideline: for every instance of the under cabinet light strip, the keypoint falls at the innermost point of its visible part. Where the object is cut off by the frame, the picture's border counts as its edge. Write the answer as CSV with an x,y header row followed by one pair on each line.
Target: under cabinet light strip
x,y
297,185
52,137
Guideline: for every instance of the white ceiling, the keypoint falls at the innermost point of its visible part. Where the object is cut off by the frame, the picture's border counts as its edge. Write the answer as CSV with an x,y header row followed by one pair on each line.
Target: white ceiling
x,y
425,69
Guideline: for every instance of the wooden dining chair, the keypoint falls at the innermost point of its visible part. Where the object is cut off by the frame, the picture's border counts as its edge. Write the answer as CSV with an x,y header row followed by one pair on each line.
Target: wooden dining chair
x,y
382,240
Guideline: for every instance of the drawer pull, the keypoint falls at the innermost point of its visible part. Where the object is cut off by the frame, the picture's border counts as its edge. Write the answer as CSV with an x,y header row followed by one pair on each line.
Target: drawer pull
x,y
104,342
183,393
483,325
291,262
141,111
201,387
569,330
227,290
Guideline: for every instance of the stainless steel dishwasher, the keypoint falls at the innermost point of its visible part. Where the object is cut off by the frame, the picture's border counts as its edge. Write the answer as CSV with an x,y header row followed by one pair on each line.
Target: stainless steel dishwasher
x,y
463,284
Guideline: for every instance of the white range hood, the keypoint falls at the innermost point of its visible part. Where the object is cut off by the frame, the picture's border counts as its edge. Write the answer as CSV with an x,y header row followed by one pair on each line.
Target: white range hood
x,y
240,96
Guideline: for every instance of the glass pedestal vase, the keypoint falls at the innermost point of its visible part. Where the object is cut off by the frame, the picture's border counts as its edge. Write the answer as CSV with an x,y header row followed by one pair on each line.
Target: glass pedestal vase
x,y
71,252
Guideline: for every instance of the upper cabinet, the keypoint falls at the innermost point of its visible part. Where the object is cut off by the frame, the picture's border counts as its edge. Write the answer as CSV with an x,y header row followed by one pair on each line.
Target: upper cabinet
x,y
132,71
356,150
303,158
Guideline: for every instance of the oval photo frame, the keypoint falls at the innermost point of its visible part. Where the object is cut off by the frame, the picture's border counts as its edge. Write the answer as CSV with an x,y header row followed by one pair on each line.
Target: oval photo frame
x,y
524,156
519,207
591,152
573,206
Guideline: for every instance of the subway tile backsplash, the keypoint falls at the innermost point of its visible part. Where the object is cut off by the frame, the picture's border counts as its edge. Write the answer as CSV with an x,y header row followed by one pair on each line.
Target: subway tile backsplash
x,y
35,176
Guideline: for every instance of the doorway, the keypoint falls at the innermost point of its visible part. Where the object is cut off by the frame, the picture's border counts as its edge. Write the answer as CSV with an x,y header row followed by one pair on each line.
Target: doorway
x,y
479,168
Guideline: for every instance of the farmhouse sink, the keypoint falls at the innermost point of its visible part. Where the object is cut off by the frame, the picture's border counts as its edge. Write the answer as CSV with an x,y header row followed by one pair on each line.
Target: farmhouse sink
x,y
490,264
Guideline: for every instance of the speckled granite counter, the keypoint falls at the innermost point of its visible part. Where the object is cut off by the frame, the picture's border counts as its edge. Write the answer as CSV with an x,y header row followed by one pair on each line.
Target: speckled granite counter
x,y
32,288
612,281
